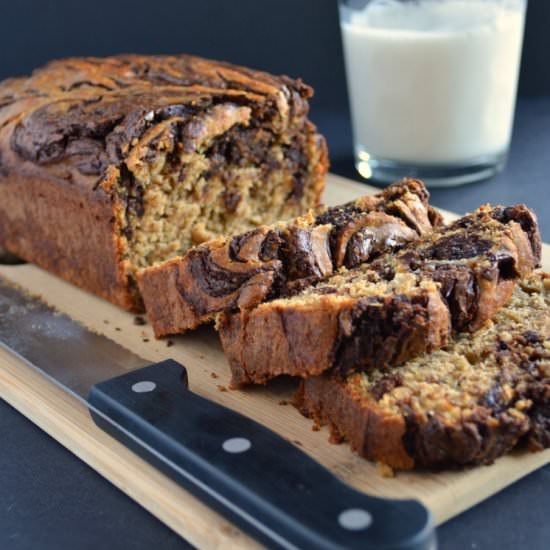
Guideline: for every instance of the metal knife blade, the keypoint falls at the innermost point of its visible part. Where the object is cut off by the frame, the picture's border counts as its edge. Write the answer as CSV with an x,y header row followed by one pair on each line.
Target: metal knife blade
x,y
249,474
62,349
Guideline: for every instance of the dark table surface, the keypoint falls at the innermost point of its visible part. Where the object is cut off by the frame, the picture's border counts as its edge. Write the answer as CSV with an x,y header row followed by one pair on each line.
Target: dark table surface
x,y
49,499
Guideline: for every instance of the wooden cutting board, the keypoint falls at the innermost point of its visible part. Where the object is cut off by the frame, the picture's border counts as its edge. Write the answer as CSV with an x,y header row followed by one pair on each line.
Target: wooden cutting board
x,y
68,421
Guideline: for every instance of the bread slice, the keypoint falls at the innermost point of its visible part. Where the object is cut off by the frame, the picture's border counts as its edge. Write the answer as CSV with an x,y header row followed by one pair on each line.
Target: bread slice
x,y
244,270
111,165
470,403
380,315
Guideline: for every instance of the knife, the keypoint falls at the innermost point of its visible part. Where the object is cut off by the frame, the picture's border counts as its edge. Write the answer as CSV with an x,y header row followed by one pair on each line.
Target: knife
x,y
246,472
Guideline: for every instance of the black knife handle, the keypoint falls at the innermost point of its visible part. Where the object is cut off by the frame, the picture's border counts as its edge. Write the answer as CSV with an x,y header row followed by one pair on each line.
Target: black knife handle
x,y
246,472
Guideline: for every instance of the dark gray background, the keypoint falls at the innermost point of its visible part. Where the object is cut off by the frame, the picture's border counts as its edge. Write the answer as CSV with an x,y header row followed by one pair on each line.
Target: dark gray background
x,y
51,500
296,37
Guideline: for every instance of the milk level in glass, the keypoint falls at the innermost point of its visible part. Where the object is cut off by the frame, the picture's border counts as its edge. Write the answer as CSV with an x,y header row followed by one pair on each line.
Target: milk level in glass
x,y
432,85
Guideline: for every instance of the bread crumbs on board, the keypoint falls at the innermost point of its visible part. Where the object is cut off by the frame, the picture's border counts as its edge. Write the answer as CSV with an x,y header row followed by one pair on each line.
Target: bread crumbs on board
x,y
384,470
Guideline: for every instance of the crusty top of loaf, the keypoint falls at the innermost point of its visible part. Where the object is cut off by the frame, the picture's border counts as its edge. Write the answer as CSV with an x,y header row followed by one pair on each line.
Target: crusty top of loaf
x,y
82,115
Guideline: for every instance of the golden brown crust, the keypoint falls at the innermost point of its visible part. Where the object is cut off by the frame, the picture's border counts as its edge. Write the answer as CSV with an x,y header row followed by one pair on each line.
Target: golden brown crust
x,y
253,358
371,433
33,213
78,134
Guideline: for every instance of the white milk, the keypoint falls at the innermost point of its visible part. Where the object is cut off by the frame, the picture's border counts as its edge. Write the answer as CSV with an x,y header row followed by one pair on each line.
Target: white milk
x,y
433,82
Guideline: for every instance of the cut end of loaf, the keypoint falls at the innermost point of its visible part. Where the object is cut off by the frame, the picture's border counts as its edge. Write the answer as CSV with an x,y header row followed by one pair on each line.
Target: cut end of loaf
x,y
234,177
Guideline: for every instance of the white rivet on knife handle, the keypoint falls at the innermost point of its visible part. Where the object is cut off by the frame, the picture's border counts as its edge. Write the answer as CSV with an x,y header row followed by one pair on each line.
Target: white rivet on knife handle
x,y
144,386
354,519
236,445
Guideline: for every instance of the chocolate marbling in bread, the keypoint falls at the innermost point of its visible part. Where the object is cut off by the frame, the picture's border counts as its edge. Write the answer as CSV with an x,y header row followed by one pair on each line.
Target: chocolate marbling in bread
x,y
111,165
470,403
242,271
381,314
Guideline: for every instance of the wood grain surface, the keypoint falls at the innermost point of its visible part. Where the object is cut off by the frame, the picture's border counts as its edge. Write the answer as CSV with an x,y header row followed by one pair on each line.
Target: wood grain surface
x,y
67,419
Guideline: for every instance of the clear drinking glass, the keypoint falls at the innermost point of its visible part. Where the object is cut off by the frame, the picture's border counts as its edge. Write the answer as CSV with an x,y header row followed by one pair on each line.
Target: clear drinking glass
x,y
432,86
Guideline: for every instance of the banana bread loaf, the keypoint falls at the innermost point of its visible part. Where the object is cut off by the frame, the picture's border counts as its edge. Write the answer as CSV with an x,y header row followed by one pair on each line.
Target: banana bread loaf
x,y
244,270
111,165
468,404
381,314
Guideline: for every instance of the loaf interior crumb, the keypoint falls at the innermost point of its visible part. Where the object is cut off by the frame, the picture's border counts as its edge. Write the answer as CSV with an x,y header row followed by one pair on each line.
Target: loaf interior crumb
x,y
233,177
488,369
358,283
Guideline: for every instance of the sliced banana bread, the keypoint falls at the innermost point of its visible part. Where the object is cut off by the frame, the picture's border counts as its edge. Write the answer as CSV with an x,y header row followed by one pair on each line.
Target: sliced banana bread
x,y
111,165
378,315
467,404
244,270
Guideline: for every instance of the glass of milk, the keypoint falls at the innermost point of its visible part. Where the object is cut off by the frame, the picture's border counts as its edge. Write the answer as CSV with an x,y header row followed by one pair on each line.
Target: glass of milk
x,y
432,86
